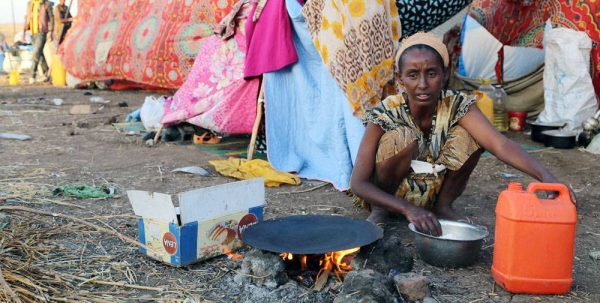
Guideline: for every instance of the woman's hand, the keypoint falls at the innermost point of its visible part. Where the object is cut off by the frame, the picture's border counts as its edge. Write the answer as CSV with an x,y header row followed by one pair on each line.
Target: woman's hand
x,y
424,221
554,194
506,150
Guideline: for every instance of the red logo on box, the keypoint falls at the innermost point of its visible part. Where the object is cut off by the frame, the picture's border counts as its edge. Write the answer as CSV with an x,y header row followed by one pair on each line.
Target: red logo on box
x,y
246,221
169,243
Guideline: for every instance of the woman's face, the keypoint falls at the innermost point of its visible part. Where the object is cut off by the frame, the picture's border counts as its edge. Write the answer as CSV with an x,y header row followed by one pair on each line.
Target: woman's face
x,y
422,75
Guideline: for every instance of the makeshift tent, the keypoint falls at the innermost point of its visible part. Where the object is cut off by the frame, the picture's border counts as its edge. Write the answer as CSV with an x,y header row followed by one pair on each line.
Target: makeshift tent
x,y
309,124
521,23
313,131
147,42
215,95
522,70
357,40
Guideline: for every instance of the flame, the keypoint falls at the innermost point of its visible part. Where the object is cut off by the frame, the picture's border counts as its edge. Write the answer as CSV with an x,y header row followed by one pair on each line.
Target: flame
x,y
338,259
303,262
234,256
287,256
337,262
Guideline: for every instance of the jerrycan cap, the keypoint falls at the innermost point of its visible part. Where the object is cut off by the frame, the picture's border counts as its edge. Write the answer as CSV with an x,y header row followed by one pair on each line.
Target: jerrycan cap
x,y
515,186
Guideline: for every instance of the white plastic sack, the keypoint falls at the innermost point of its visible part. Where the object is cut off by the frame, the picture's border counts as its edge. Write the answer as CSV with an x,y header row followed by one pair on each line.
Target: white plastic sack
x,y
26,61
49,51
11,62
568,91
152,112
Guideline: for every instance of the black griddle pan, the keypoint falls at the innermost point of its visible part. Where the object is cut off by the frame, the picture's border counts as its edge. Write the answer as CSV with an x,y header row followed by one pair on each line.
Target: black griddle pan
x,y
311,234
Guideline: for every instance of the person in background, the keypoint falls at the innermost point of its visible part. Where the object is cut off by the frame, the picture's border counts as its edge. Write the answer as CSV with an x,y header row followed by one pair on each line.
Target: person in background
x,y
62,22
4,48
442,129
40,21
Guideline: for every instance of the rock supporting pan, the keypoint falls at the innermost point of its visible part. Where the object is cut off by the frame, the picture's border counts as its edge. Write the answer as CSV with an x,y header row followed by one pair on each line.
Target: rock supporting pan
x,y
311,234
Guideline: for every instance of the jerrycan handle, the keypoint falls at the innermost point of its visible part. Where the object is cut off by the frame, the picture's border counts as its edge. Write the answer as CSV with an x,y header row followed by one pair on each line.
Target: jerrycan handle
x,y
563,191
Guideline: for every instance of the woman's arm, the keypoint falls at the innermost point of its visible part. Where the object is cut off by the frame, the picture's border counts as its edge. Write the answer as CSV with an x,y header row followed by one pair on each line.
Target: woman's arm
x,y
500,146
503,148
363,186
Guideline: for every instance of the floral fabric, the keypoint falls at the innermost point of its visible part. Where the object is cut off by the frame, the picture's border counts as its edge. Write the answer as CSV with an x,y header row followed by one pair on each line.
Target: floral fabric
x,y
356,40
389,114
215,96
146,42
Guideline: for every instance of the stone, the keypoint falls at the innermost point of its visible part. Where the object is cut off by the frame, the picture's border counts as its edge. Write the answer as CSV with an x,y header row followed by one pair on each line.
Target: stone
x,y
595,255
384,255
363,286
412,286
429,300
263,269
80,110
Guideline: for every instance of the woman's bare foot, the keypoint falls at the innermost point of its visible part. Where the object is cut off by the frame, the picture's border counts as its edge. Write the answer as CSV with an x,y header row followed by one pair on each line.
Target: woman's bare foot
x,y
378,215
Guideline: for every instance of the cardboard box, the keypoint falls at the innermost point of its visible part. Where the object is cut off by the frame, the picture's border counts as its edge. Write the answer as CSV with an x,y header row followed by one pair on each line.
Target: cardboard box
x,y
206,224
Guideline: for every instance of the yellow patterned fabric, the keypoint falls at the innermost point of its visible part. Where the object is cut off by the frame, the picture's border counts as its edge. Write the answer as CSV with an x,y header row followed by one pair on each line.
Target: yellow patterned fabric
x,y
357,40
453,105
422,189
243,169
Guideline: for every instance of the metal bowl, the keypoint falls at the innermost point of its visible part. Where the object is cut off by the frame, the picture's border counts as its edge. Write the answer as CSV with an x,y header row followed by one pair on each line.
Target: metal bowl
x,y
560,139
459,245
538,127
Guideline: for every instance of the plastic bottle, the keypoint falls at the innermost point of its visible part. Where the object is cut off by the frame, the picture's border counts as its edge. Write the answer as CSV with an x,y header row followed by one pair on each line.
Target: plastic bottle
x,y
487,87
534,240
500,113
484,101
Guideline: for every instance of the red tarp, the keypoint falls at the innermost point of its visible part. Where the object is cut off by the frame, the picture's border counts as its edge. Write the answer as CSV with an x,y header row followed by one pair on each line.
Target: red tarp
x,y
151,42
517,24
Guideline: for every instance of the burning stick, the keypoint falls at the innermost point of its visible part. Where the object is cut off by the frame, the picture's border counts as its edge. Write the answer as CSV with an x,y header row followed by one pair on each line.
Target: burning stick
x,y
337,262
322,277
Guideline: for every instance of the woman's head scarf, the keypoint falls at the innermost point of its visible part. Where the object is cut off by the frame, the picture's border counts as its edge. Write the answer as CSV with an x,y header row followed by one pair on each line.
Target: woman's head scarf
x,y
427,39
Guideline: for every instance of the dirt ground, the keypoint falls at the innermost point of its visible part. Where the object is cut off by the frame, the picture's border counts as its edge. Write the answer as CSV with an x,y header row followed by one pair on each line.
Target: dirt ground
x,y
86,149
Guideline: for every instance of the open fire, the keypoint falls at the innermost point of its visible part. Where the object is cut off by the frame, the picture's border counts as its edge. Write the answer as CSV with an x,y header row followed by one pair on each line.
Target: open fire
x,y
314,270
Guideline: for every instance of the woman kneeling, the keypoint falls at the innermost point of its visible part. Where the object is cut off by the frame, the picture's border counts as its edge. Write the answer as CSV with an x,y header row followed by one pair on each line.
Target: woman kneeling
x,y
421,146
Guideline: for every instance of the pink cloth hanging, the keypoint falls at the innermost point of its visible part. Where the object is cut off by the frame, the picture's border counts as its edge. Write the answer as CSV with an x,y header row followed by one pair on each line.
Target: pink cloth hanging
x,y
269,40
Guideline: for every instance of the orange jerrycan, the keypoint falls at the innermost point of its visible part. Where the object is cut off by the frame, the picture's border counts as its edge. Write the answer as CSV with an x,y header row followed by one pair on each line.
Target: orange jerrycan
x,y
534,240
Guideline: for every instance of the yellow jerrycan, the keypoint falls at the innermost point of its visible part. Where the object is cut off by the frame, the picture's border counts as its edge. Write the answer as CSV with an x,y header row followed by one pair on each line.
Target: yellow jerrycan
x,y
59,74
